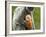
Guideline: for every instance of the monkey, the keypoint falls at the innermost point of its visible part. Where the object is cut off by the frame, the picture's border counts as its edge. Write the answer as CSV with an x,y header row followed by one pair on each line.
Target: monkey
x,y
28,21
19,17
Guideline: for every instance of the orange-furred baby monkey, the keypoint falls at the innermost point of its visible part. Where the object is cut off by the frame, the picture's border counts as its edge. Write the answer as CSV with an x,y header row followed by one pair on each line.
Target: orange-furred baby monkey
x,y
28,21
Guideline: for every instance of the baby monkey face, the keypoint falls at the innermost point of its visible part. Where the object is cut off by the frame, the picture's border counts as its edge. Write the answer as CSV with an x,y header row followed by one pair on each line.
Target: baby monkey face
x,y
28,18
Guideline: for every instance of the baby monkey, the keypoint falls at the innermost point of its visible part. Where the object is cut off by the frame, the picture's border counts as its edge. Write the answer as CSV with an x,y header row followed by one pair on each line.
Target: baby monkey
x,y
28,22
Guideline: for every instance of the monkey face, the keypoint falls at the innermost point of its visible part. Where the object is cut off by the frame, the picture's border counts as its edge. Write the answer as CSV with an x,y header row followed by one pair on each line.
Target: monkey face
x,y
28,18
29,8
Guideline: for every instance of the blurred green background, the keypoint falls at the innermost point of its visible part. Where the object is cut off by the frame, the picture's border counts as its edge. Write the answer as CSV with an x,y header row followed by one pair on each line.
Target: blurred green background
x,y
36,16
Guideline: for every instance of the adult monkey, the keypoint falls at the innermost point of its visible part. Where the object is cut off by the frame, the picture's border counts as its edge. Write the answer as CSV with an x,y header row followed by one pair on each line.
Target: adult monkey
x,y
19,17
